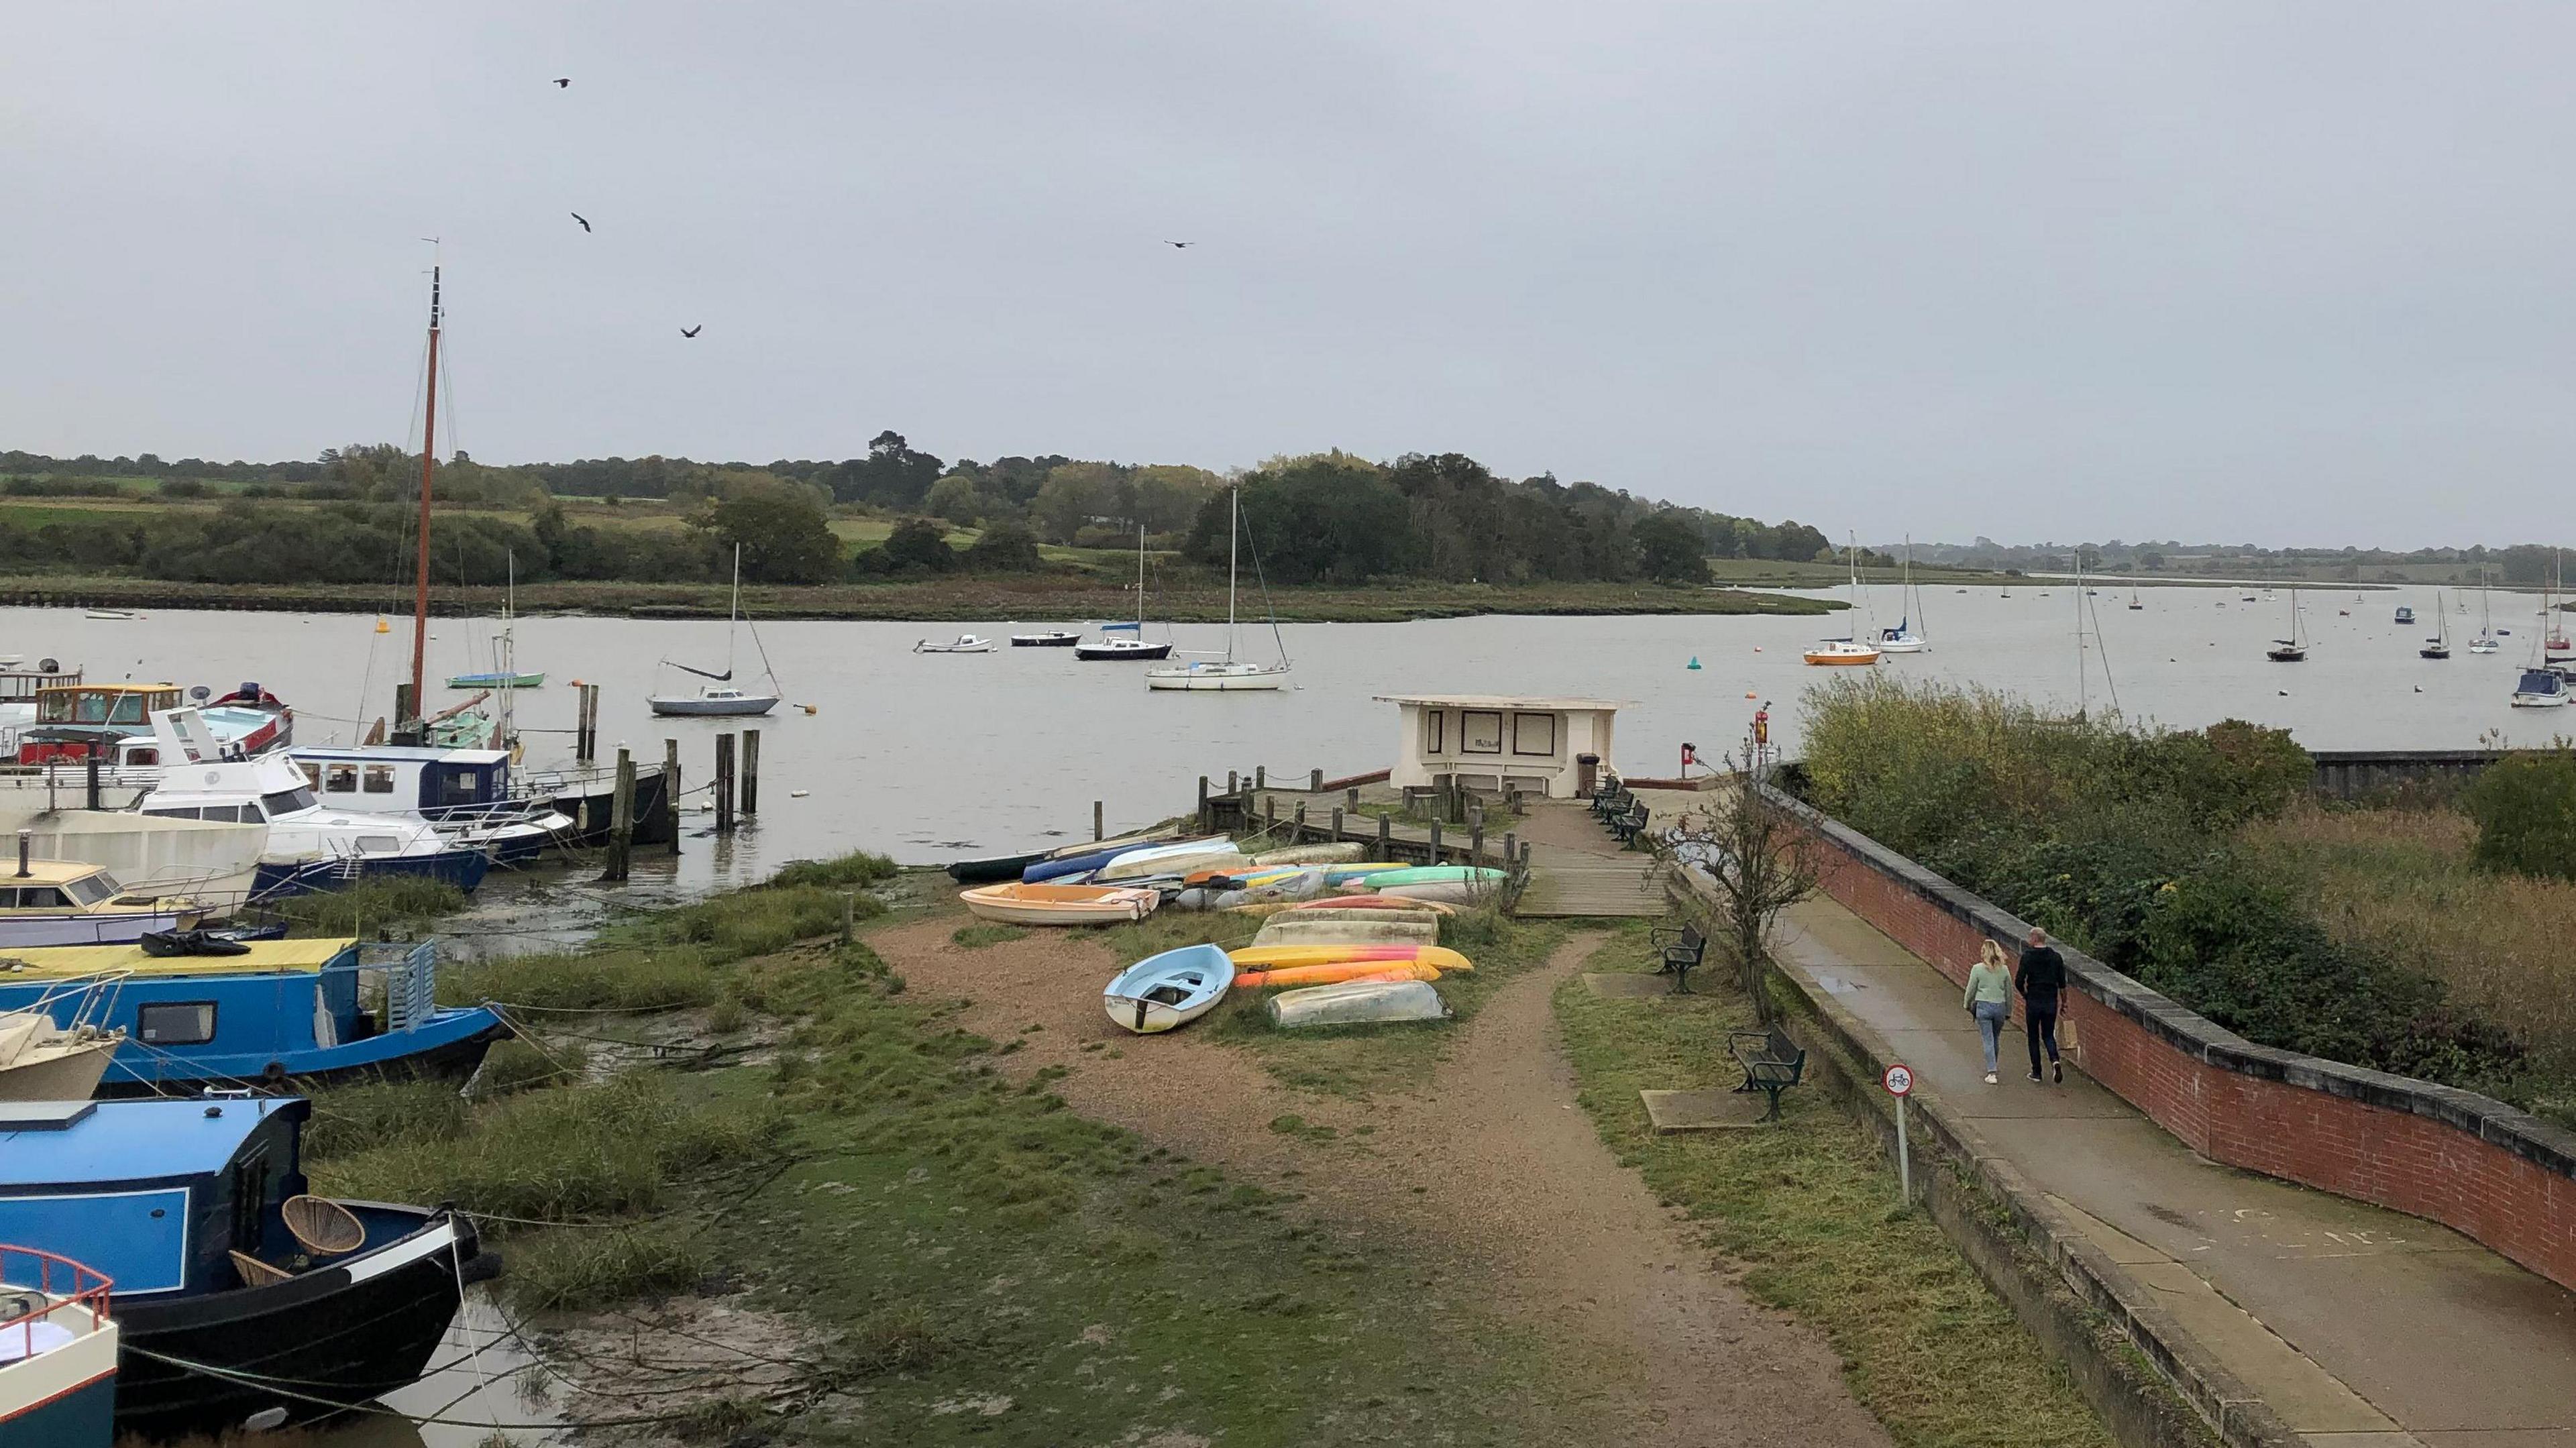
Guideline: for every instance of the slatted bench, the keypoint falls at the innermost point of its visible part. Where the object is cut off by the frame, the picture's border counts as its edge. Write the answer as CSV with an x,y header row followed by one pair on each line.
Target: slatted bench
x,y
1772,1063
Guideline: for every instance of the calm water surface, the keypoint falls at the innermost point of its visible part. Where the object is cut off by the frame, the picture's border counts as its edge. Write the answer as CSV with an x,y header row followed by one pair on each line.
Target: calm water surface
x,y
926,756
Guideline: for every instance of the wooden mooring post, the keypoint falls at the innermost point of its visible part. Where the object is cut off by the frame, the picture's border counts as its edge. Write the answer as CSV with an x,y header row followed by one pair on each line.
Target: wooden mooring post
x,y
1315,781
1476,840
1095,821
671,788
621,820
1385,833
94,801
1203,810
724,783
750,772
1435,843
1511,848
585,724
1337,824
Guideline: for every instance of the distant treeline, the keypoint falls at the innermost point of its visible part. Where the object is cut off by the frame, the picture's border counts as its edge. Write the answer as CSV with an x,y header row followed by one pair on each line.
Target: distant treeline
x,y
1323,518
2523,563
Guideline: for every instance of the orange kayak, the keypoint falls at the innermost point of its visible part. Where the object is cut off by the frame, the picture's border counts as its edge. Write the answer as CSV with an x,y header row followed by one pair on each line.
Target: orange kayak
x,y
1266,957
1343,974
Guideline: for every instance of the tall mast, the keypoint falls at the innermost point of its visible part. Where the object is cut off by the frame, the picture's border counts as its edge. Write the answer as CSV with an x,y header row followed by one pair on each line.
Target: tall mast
x,y
2079,631
428,461
733,610
1140,580
1233,545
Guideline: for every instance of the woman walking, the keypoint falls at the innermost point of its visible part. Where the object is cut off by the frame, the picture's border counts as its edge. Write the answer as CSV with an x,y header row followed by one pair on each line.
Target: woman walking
x,y
1989,998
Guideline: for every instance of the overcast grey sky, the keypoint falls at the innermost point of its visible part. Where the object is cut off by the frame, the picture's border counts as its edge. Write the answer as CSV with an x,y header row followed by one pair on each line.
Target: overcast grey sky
x,y
2286,272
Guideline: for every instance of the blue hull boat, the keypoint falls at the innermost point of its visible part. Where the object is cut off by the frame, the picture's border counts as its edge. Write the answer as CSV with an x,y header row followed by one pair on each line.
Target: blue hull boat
x,y
238,1294
463,869
270,1012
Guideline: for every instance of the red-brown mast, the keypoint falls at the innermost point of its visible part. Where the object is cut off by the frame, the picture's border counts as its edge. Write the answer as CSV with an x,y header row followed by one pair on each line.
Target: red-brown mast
x,y
428,461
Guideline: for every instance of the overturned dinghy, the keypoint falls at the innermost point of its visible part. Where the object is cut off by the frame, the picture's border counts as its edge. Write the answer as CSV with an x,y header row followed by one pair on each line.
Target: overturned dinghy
x,y
1341,853
1262,887
1357,1003
1274,956
1446,884
1017,904
1295,930
1168,990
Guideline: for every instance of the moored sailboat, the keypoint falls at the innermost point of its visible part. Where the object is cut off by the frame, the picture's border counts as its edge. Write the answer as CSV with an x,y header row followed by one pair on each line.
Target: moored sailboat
x,y
1228,674
718,697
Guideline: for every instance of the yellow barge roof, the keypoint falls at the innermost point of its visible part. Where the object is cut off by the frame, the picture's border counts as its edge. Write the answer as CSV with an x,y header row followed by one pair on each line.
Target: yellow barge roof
x,y
65,961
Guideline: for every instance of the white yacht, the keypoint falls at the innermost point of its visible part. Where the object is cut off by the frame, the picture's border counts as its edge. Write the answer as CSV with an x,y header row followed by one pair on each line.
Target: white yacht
x,y
465,794
305,839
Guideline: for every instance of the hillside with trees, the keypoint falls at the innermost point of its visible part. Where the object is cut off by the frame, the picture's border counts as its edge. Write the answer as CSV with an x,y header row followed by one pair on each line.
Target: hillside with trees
x,y
1331,519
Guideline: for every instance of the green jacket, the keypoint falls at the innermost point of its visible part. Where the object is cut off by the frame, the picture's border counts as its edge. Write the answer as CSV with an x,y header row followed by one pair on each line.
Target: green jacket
x,y
1986,983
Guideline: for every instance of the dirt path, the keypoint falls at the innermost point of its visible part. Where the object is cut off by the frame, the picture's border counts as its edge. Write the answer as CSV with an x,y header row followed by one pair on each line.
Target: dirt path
x,y
1492,1168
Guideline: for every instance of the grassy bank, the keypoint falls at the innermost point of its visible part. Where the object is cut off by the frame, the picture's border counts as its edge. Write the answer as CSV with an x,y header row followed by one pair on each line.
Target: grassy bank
x,y
2400,882
1808,1207
978,599
972,1261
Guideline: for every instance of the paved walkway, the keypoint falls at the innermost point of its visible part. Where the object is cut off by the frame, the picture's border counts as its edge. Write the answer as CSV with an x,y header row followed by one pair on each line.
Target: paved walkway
x,y
2362,1328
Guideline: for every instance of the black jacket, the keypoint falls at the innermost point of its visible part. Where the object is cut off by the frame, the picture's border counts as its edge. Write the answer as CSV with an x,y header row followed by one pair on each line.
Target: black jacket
x,y
2042,974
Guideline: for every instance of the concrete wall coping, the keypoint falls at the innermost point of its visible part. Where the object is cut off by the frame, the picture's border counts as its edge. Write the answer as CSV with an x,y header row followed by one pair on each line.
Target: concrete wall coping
x,y
2506,1127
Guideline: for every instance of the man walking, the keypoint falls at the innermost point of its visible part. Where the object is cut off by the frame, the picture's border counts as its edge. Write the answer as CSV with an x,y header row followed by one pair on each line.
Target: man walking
x,y
2041,977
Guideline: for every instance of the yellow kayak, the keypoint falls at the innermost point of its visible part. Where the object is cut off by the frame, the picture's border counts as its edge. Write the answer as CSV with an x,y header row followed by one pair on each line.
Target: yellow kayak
x,y
1274,957
1346,973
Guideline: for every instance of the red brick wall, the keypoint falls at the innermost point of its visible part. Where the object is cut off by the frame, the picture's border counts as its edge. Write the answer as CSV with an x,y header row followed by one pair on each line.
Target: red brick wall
x,y
2394,1159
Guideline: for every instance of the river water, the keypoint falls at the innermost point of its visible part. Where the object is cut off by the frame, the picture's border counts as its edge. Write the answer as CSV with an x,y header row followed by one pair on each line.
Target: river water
x,y
928,756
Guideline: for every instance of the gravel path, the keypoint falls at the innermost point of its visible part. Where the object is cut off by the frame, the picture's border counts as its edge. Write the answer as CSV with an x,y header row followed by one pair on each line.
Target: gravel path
x,y
1491,1171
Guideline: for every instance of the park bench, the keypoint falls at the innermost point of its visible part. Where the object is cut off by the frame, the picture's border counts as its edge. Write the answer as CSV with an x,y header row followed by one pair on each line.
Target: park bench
x,y
1772,1063
1611,801
1629,825
1681,956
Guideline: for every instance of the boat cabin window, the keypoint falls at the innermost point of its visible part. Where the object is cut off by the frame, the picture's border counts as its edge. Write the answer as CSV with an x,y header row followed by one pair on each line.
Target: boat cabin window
x,y
41,897
460,786
250,1202
339,779
379,845
90,889
175,1023
380,779
173,812
143,756
285,801
1435,723
312,773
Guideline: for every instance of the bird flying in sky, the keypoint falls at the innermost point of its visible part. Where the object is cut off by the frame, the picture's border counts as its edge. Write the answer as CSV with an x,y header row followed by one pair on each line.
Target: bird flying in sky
x,y
1177,244
562,82
693,331
585,222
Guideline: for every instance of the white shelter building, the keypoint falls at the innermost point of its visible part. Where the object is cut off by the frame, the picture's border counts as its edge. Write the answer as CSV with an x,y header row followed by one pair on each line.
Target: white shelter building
x,y
1543,746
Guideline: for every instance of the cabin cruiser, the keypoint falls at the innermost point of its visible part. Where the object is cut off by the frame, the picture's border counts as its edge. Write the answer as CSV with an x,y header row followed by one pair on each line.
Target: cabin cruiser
x,y
309,846
18,690
75,721
63,902
465,794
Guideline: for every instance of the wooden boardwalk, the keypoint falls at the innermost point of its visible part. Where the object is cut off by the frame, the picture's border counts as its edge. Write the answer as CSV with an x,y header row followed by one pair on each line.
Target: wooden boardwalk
x,y
1576,869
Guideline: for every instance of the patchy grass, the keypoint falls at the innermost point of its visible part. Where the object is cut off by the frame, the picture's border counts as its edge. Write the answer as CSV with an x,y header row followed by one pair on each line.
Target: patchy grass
x,y
975,937
574,1270
367,905
597,980
353,1118
2399,882
1809,1208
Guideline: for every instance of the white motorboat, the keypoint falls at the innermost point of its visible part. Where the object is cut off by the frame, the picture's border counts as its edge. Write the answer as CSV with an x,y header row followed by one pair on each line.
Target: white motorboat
x,y
465,794
718,698
199,783
962,644
1228,674
43,1060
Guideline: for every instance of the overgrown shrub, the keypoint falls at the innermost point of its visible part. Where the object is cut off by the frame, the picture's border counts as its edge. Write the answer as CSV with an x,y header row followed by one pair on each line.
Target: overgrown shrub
x,y
2525,806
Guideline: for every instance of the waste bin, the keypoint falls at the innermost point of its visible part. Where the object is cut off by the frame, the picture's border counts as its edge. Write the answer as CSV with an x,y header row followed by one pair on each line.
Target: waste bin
x,y
1587,774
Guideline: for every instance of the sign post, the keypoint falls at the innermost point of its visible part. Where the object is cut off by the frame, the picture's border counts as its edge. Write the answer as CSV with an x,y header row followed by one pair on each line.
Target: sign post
x,y
1899,1081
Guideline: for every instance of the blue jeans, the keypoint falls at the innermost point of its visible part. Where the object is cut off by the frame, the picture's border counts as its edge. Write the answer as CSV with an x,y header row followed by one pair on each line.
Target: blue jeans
x,y
1991,1016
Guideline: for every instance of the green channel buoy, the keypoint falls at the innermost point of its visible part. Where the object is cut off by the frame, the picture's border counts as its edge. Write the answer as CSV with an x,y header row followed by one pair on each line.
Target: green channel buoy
x,y
1694,663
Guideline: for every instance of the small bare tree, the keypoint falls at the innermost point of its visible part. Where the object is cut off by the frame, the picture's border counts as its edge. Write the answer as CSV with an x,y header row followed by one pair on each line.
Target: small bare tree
x,y
1756,855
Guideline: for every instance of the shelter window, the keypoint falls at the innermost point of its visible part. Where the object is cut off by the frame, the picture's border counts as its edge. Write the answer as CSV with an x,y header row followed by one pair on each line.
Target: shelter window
x,y
341,779
380,779
1435,728
1480,731
176,1023
1534,734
